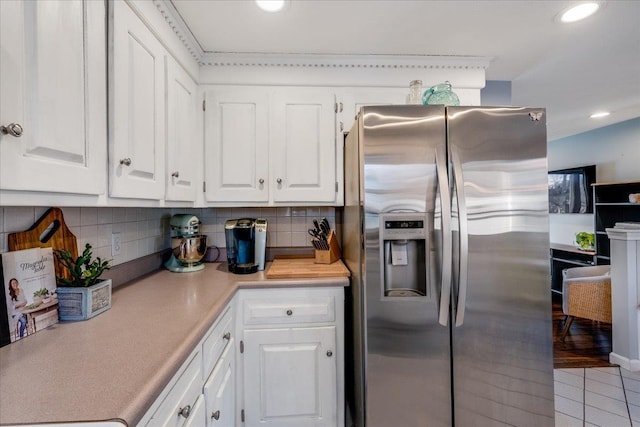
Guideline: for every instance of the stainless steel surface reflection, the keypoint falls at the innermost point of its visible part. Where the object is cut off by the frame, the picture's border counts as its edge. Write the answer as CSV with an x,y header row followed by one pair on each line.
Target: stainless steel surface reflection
x,y
481,354
189,250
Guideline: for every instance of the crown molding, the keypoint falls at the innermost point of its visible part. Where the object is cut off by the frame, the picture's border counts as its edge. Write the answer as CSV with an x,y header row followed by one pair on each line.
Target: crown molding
x,y
222,59
179,27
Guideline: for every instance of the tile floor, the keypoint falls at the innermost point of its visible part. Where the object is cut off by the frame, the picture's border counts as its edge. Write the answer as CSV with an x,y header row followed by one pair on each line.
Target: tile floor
x,y
607,397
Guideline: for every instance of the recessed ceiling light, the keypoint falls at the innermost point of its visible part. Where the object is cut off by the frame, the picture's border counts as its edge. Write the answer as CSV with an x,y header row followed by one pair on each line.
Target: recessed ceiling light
x,y
271,5
579,12
599,114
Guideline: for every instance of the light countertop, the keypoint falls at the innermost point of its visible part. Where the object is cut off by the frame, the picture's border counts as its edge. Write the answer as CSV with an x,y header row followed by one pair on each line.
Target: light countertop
x,y
114,366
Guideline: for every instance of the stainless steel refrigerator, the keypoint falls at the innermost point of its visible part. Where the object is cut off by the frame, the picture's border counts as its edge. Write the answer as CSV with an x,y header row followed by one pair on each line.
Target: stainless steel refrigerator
x,y
445,231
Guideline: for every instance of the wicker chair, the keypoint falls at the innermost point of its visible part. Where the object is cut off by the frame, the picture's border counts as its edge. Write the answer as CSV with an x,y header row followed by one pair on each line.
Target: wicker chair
x,y
586,293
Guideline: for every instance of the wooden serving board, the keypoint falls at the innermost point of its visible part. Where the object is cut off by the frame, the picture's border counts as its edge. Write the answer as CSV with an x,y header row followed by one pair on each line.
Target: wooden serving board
x,y
291,268
49,231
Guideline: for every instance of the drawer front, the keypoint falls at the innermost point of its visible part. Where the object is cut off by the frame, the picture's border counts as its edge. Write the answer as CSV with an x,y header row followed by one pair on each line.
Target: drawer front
x,y
177,407
216,341
287,310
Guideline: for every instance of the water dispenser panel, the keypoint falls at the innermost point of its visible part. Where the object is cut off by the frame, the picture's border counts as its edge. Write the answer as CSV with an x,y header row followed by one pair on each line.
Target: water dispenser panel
x,y
404,244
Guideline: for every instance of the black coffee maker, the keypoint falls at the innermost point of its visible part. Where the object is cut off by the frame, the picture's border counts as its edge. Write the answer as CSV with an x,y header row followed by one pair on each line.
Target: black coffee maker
x,y
240,237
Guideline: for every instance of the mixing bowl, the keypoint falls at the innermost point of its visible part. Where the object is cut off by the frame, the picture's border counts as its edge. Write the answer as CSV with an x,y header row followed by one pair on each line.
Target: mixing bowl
x,y
189,250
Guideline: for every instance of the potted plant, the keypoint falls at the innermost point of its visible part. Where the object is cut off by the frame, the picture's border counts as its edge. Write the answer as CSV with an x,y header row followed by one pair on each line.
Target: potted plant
x,y
84,295
585,240
40,295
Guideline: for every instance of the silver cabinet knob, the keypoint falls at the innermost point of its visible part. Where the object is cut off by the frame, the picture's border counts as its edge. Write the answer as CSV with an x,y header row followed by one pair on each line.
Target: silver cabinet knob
x,y
329,353
289,312
126,161
13,129
185,411
261,181
279,180
215,415
227,336
176,174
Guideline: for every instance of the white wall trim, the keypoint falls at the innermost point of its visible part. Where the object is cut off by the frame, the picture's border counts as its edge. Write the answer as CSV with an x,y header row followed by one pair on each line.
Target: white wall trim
x,y
180,28
221,59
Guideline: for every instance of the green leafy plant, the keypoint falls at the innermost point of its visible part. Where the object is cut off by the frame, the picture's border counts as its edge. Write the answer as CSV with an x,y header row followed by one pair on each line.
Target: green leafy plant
x,y
84,270
42,292
585,240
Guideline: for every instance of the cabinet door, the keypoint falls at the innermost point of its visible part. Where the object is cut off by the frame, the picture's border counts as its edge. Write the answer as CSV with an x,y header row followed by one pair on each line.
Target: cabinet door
x,y
137,132
182,146
196,415
219,391
303,146
236,145
290,377
53,84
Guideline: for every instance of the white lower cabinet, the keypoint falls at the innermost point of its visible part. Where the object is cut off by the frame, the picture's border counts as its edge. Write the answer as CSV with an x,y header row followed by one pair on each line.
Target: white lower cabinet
x,y
220,391
290,376
178,404
197,414
292,357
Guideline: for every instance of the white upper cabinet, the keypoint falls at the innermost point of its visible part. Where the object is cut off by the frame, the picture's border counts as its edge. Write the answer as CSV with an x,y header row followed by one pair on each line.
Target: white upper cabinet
x,y
303,145
270,145
236,145
53,96
137,108
183,149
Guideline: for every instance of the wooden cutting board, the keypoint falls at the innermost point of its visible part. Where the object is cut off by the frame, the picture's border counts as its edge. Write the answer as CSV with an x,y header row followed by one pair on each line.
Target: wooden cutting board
x,y
291,268
49,231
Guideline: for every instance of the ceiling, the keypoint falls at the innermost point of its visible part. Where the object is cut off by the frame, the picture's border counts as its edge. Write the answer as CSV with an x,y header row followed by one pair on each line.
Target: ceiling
x,y
573,69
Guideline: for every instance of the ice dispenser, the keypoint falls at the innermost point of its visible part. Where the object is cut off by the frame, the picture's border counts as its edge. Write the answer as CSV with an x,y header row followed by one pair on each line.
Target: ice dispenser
x,y
404,243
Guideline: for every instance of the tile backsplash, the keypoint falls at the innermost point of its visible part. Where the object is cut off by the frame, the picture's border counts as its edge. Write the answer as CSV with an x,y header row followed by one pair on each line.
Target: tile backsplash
x,y
144,231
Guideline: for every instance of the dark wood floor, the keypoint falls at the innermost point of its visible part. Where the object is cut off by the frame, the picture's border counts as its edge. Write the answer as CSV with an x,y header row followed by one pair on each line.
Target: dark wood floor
x,y
587,344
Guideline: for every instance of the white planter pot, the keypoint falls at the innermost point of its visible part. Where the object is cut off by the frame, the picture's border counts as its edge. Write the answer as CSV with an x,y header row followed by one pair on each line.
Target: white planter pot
x,y
84,303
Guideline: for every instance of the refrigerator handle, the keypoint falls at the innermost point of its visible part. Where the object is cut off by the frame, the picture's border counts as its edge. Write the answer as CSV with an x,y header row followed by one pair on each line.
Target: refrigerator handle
x,y
463,235
445,215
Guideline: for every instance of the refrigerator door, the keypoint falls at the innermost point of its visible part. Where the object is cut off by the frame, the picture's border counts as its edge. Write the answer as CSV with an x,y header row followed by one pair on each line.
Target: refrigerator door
x,y
407,358
501,337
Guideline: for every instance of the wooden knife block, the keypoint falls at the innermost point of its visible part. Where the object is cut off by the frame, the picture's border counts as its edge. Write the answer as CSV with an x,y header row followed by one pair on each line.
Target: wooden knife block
x,y
333,254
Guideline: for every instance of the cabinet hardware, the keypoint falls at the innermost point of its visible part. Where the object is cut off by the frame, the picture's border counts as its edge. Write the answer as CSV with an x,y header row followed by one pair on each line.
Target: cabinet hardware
x,y
185,411
13,129
241,346
261,181
279,180
204,105
242,415
176,174
336,186
341,127
329,353
227,336
289,312
215,415
341,107
204,186
126,161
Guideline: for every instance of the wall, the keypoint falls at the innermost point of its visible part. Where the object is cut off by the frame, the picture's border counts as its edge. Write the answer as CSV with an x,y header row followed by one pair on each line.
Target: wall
x,y
496,93
615,150
146,230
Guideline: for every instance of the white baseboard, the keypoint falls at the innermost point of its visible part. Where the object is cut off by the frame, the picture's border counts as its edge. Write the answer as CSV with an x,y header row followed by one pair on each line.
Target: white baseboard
x,y
632,365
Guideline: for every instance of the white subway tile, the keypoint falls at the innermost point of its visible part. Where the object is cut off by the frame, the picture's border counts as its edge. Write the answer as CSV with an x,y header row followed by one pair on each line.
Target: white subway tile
x,y
18,218
605,403
573,377
569,407
299,239
569,391
119,215
563,420
283,239
105,216
71,216
104,235
88,216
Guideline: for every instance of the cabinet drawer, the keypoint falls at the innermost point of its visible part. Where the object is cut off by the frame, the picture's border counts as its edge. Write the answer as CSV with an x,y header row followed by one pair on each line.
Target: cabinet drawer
x,y
285,310
216,341
177,407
